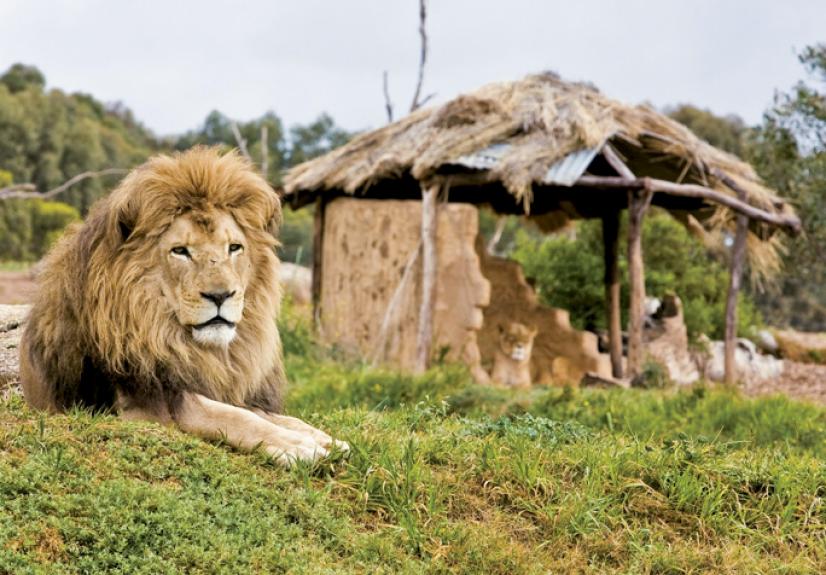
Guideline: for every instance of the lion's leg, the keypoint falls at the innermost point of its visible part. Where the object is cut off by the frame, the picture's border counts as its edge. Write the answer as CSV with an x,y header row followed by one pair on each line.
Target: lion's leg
x,y
245,430
33,382
298,425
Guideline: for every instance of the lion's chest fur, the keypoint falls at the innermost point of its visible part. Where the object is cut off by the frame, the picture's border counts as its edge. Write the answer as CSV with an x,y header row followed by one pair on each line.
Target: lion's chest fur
x,y
510,372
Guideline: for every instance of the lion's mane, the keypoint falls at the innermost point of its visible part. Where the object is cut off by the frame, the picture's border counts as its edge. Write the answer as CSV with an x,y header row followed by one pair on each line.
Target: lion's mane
x,y
99,328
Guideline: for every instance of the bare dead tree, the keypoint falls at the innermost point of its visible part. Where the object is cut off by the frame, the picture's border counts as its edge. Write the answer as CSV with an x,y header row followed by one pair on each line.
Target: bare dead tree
x,y
388,104
31,191
417,103
242,143
418,100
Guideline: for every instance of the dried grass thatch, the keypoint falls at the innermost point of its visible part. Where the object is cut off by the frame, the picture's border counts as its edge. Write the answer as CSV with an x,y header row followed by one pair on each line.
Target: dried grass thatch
x,y
543,120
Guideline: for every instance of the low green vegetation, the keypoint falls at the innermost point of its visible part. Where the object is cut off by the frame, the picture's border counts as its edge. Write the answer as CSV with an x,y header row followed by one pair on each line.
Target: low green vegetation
x,y
28,228
444,477
568,273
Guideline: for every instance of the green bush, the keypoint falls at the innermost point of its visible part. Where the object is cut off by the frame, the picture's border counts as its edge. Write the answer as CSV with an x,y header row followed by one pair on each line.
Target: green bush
x,y
296,236
569,274
296,331
28,228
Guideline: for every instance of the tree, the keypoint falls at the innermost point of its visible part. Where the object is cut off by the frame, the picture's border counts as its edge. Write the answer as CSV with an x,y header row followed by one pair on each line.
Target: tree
x,y
728,133
568,273
789,150
48,137
314,139
20,76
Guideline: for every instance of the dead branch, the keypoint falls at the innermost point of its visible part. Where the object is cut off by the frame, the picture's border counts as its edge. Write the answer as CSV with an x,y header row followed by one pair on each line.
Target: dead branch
x,y
388,104
416,104
497,235
30,190
394,305
787,221
242,143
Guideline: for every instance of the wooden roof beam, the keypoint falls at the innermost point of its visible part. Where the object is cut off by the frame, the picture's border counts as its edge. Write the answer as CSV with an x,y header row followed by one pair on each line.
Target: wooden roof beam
x,y
786,221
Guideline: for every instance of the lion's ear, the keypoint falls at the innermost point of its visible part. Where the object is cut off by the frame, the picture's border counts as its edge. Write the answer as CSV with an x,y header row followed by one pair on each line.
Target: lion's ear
x,y
123,218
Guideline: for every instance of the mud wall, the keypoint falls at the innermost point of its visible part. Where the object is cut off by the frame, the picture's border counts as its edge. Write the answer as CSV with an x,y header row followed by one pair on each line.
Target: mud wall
x,y
367,246
561,354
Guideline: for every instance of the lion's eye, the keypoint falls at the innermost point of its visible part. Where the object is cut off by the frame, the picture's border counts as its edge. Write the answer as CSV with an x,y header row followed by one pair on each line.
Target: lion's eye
x,y
180,251
233,248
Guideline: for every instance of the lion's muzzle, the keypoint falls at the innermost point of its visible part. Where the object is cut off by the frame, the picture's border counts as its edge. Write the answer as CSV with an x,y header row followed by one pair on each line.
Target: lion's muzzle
x,y
219,330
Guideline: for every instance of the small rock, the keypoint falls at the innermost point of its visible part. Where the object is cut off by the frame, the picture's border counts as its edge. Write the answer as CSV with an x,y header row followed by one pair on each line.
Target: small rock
x,y
766,341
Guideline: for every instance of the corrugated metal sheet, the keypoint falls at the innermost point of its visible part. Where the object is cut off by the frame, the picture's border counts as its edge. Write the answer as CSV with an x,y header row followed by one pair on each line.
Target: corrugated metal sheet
x,y
565,172
568,170
483,159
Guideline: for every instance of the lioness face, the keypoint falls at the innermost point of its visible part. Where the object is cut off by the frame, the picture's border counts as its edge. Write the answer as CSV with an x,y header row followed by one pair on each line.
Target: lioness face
x,y
516,341
206,269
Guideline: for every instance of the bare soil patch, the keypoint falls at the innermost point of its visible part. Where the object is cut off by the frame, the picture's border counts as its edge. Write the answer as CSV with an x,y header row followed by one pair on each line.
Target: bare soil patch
x,y
16,287
804,381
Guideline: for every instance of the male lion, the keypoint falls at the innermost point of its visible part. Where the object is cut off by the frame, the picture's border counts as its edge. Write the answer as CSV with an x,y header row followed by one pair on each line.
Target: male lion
x,y
162,305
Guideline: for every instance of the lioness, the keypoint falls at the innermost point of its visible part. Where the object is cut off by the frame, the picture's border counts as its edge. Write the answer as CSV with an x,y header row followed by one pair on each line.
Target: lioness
x,y
512,363
162,305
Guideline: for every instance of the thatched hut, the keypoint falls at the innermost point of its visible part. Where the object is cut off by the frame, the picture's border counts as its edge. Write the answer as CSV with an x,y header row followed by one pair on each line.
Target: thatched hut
x,y
552,151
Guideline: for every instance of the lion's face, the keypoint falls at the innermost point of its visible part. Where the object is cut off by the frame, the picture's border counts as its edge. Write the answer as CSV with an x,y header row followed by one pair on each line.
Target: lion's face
x,y
205,272
516,341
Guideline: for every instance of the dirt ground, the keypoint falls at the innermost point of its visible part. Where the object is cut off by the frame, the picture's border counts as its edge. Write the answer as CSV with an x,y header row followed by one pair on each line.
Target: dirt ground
x,y
16,287
806,381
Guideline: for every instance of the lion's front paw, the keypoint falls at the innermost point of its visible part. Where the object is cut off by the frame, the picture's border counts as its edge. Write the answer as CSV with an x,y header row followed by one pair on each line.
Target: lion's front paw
x,y
287,455
341,446
309,451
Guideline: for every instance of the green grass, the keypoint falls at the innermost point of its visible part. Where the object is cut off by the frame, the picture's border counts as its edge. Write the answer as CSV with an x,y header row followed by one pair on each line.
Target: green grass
x,y
13,266
444,477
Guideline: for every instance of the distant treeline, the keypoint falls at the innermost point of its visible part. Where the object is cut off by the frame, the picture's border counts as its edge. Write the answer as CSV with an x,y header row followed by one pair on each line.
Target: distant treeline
x,y
48,136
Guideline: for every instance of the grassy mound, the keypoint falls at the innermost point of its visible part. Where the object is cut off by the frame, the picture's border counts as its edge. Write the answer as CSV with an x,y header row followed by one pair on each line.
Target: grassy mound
x,y
444,477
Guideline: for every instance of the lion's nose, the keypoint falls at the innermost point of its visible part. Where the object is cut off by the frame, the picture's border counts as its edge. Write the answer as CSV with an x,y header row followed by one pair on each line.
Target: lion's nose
x,y
218,297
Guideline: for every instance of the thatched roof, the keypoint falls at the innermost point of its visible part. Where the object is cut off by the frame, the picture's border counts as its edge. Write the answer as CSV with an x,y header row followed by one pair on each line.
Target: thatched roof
x,y
533,138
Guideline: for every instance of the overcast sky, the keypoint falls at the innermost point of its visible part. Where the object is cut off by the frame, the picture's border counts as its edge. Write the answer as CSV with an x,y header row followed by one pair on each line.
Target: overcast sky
x,y
174,61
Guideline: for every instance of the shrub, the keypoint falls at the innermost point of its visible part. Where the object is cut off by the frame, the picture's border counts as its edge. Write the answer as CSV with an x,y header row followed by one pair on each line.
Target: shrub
x,y
28,228
569,274
296,237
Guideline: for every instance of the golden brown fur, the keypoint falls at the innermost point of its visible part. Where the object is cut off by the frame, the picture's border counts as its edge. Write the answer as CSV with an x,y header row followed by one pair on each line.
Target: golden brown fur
x,y
512,364
110,329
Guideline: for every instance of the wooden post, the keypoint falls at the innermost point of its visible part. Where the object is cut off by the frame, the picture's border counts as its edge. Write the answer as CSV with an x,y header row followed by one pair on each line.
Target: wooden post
x,y
638,202
318,248
738,256
424,341
610,238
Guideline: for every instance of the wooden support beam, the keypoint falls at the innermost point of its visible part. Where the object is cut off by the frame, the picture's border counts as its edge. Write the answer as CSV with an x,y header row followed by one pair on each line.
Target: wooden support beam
x,y
614,160
738,256
787,221
424,341
638,202
318,248
610,238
